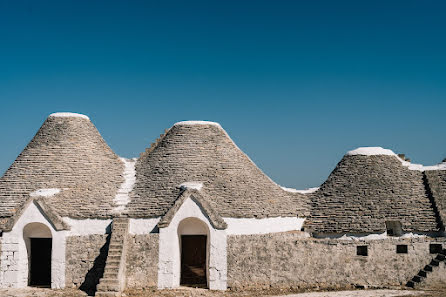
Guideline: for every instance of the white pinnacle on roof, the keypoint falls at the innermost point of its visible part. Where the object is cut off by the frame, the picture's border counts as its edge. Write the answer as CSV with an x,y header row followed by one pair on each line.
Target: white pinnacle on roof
x,y
377,151
190,123
69,115
371,151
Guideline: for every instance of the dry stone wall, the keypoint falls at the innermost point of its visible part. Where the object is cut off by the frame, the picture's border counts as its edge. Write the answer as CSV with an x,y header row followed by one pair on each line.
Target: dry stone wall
x,y
85,260
288,260
142,260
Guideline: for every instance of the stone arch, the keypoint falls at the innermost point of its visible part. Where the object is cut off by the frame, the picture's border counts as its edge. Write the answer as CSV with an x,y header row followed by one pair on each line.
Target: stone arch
x,y
38,241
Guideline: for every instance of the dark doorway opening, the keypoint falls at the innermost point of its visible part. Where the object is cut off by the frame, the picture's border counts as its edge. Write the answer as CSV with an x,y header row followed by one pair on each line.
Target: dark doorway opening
x,y
193,260
40,262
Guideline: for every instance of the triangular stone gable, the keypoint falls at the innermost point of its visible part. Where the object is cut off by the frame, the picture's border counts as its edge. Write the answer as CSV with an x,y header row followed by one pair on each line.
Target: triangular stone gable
x,y
52,217
214,218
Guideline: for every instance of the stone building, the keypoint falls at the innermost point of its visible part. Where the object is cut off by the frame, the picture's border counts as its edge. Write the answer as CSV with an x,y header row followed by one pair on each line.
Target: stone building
x,y
193,209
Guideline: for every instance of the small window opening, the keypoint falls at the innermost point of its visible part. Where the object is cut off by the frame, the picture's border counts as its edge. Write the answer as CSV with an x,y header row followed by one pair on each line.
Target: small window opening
x,y
394,228
401,249
435,248
361,250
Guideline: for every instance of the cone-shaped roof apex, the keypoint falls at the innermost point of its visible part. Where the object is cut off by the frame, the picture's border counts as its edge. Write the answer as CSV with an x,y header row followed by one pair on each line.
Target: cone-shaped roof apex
x,y
368,187
69,156
69,115
191,123
203,151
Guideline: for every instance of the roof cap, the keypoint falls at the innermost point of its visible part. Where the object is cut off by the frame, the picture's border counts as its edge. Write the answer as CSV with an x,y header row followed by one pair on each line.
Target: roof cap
x,y
69,115
192,123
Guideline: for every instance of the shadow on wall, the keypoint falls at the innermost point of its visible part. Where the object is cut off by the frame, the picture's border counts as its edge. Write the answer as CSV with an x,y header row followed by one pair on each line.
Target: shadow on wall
x,y
97,271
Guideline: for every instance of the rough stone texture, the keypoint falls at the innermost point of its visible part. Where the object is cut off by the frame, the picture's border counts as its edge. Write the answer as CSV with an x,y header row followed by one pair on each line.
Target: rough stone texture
x,y
236,187
142,260
66,153
288,260
437,186
363,192
85,261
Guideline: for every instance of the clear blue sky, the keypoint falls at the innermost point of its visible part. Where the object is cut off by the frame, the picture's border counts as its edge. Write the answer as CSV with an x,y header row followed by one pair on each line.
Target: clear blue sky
x,y
295,83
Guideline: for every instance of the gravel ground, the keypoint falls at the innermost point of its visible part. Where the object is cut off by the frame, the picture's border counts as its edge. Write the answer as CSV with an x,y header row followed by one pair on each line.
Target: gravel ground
x,y
186,292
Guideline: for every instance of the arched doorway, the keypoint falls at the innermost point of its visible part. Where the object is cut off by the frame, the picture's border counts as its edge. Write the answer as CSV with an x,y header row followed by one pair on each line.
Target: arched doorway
x,y
193,235
38,241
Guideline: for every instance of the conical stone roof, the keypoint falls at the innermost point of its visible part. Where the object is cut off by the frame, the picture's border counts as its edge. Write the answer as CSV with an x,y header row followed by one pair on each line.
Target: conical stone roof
x,y
202,152
69,157
368,187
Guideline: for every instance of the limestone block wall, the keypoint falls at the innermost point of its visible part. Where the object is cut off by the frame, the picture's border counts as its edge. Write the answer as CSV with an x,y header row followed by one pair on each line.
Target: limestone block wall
x,y
289,260
85,260
142,260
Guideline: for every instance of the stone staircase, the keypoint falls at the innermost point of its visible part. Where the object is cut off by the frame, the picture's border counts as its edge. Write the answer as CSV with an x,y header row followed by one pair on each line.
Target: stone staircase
x,y
113,281
429,268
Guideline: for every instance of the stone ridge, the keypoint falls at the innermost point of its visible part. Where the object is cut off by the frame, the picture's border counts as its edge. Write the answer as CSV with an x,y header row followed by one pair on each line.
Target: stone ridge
x,y
437,186
235,186
66,153
363,192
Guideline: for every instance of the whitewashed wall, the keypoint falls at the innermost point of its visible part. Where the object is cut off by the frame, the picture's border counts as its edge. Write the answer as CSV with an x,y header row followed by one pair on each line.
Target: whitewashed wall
x,y
14,256
169,265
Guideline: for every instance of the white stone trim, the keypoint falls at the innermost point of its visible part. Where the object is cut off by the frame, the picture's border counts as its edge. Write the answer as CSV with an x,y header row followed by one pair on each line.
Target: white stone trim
x,y
169,264
246,226
14,255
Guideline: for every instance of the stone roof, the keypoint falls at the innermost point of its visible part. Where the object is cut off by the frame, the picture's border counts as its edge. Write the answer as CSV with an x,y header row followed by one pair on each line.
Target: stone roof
x,y
365,191
68,154
203,152
437,186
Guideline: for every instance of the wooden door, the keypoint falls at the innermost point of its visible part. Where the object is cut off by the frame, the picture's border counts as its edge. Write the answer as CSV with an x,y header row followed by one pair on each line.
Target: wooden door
x,y
193,260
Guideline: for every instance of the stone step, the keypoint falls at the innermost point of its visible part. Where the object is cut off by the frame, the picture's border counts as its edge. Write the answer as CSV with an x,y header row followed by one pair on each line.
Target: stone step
x,y
111,269
114,257
422,273
110,274
114,245
440,257
115,252
427,268
108,286
416,279
116,249
113,262
109,281
434,262
410,284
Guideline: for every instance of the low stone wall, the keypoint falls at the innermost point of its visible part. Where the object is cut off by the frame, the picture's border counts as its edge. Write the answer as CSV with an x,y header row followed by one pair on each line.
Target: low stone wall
x,y
85,260
142,260
288,260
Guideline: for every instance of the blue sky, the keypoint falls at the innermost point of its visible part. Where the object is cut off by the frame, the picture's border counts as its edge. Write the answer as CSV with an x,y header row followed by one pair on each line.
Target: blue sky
x,y
295,83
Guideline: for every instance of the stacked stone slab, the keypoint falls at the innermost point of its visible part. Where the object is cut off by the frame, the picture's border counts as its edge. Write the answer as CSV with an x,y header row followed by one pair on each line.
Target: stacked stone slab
x,y
67,153
203,152
113,281
363,192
